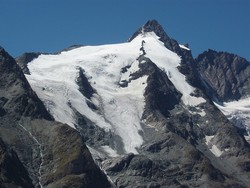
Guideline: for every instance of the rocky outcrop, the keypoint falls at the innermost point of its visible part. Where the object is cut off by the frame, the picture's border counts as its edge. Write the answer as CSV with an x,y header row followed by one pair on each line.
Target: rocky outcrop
x,y
24,59
12,171
160,94
226,76
35,150
16,96
66,160
84,87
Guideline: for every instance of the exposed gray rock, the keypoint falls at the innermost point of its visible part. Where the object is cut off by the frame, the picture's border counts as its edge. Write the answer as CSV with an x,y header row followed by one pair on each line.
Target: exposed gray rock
x,y
24,59
12,172
84,86
227,76
16,96
160,94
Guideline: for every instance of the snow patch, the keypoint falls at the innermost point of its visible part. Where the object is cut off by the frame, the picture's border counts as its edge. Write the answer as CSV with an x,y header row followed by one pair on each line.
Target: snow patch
x,y
202,113
213,148
248,137
208,139
216,151
184,47
197,110
110,152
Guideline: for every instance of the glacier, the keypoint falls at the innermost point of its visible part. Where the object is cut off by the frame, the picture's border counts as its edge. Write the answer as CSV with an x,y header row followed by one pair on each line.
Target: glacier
x,y
53,78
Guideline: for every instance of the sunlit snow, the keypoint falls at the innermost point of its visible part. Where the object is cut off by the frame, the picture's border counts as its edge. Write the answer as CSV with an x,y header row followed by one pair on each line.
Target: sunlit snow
x,y
53,77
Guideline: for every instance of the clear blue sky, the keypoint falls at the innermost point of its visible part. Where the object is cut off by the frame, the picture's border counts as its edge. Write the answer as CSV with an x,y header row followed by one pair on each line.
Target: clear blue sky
x,y
52,25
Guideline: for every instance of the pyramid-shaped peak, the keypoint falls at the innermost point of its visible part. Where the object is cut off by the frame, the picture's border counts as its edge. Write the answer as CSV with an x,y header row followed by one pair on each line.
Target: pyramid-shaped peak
x,y
169,43
151,26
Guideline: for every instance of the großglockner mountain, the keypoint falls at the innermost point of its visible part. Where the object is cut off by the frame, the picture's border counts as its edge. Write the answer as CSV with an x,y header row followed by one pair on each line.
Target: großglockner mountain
x,y
143,113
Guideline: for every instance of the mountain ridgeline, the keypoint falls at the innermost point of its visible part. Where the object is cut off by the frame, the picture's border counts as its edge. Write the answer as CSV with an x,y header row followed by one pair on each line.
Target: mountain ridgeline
x,y
144,113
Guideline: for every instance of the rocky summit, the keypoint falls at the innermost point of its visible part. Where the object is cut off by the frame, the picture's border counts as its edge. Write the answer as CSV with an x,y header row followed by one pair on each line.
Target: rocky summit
x,y
142,113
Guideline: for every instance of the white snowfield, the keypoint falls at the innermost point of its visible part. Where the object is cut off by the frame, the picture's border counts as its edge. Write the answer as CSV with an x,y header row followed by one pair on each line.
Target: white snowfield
x,y
238,111
53,78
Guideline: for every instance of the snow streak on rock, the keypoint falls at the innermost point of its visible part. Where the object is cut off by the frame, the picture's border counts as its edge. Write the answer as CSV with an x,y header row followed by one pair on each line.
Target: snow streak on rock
x,y
40,151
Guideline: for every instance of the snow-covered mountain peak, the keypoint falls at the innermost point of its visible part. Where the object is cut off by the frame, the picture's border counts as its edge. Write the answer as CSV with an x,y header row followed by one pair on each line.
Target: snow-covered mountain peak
x,y
117,101
151,26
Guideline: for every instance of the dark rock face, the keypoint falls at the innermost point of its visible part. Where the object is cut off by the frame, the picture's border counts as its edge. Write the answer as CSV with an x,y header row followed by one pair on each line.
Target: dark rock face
x,y
34,149
16,96
67,161
24,59
227,76
160,94
12,173
84,87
